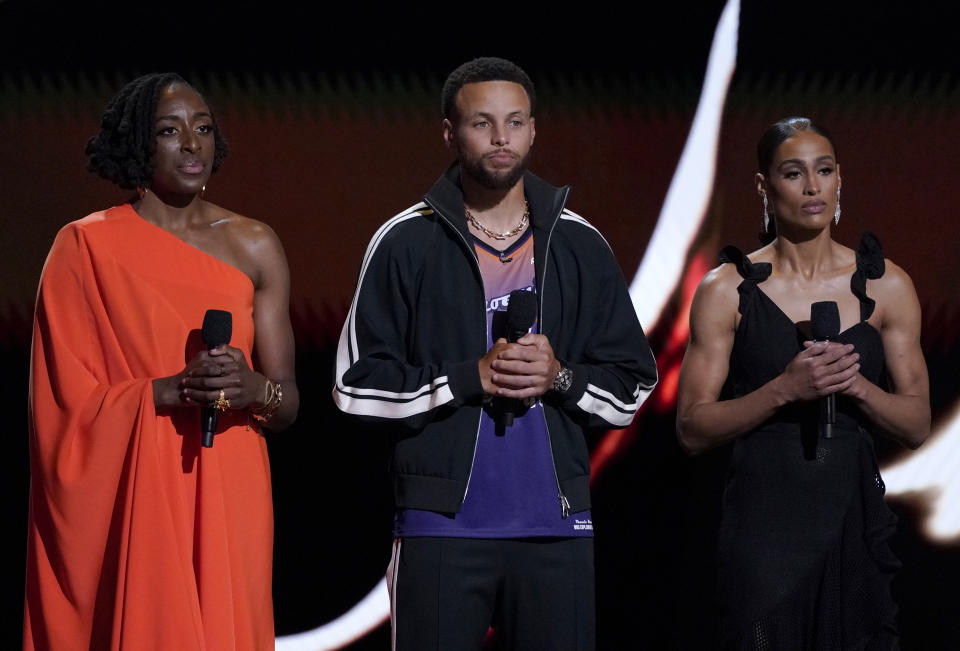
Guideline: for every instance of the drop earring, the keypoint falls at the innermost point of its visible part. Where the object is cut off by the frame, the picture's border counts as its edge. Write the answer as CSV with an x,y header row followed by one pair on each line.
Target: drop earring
x,y
766,214
836,213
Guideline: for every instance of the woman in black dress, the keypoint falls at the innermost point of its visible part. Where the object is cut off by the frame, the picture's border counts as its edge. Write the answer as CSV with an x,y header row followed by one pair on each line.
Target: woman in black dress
x,y
803,559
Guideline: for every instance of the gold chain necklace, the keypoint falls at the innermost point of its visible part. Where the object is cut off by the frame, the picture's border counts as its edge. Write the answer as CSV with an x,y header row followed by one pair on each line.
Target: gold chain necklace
x,y
495,235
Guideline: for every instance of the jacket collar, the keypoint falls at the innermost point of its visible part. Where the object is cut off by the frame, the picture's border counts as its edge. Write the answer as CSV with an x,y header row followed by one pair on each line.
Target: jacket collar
x,y
545,201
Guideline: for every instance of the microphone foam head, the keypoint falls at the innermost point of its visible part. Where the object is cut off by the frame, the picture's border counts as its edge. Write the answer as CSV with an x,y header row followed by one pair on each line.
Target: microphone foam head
x,y
217,328
824,320
521,310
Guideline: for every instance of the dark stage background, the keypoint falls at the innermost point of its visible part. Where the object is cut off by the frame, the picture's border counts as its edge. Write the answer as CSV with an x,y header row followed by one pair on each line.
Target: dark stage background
x,y
332,115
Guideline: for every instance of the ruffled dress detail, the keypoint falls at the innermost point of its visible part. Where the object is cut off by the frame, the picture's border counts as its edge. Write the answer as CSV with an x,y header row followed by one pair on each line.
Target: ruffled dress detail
x,y
804,561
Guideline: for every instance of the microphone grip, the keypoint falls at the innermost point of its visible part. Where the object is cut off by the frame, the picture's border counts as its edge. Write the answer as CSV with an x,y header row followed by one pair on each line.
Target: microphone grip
x,y
828,415
208,425
509,405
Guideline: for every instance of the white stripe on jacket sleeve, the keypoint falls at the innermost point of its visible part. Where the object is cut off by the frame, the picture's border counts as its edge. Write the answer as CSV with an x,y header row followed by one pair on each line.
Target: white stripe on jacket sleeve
x,y
608,407
382,402
571,216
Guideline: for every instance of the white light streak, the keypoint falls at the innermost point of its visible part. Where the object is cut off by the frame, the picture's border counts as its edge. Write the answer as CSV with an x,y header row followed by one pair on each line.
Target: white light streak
x,y
692,185
933,474
660,271
373,610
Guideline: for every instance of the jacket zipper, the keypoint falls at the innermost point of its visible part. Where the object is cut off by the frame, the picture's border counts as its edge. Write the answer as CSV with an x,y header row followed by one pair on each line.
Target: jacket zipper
x,y
476,438
564,502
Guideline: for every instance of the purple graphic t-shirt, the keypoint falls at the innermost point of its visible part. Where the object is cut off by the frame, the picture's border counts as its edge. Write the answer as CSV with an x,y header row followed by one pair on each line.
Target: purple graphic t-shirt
x,y
512,491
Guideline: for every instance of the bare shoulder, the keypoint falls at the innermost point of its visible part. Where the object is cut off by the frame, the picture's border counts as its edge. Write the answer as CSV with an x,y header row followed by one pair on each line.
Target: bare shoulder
x,y
251,244
243,231
894,293
895,284
716,299
719,282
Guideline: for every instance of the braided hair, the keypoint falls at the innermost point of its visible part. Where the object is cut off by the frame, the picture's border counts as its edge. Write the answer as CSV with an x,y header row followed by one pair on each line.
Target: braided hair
x,y
122,151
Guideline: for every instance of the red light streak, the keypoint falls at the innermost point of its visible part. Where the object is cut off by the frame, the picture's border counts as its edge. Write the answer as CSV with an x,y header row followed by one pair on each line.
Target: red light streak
x,y
664,397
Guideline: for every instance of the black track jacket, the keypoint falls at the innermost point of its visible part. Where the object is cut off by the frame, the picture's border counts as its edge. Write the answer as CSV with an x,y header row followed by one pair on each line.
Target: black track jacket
x,y
416,329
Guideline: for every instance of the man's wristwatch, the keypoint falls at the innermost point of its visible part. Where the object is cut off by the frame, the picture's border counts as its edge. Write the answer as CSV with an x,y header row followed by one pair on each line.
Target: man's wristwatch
x,y
563,380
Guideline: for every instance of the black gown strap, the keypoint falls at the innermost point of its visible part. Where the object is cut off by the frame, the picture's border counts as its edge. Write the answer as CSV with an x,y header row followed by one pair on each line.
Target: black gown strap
x,y
755,273
870,265
750,272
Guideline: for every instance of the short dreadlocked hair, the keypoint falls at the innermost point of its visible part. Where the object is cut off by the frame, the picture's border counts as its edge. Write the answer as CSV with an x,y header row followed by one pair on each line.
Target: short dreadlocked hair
x,y
123,150
483,69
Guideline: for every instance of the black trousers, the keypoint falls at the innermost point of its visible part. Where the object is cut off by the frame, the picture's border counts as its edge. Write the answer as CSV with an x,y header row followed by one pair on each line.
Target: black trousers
x,y
536,593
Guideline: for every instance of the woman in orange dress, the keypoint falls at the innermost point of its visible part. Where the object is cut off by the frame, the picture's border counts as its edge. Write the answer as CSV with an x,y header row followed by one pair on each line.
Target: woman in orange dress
x,y
140,537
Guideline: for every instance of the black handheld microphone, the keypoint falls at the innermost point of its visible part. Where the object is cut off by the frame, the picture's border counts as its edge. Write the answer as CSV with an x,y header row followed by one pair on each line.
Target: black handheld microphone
x,y
825,326
521,314
217,330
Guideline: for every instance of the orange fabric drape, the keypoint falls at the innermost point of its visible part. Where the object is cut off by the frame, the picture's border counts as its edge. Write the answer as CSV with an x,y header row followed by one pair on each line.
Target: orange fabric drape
x,y
139,538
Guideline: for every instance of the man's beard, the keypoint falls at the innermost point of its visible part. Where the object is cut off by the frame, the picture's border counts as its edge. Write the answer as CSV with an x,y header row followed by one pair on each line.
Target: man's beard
x,y
503,179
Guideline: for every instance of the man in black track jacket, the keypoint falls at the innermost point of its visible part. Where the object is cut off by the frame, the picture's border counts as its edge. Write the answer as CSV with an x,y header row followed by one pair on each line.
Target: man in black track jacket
x,y
490,464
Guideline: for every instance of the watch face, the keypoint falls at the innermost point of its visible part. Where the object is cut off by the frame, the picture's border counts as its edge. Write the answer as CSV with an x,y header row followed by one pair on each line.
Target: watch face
x,y
563,380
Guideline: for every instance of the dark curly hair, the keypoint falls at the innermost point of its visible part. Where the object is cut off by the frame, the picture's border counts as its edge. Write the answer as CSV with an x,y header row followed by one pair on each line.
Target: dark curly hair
x,y
770,141
483,69
123,150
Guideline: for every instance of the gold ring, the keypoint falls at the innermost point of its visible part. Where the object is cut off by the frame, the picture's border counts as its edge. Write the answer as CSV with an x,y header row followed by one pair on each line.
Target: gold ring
x,y
222,403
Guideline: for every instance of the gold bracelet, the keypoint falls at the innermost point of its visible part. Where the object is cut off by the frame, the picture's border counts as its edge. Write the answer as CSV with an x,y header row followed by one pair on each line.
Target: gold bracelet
x,y
269,391
273,396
